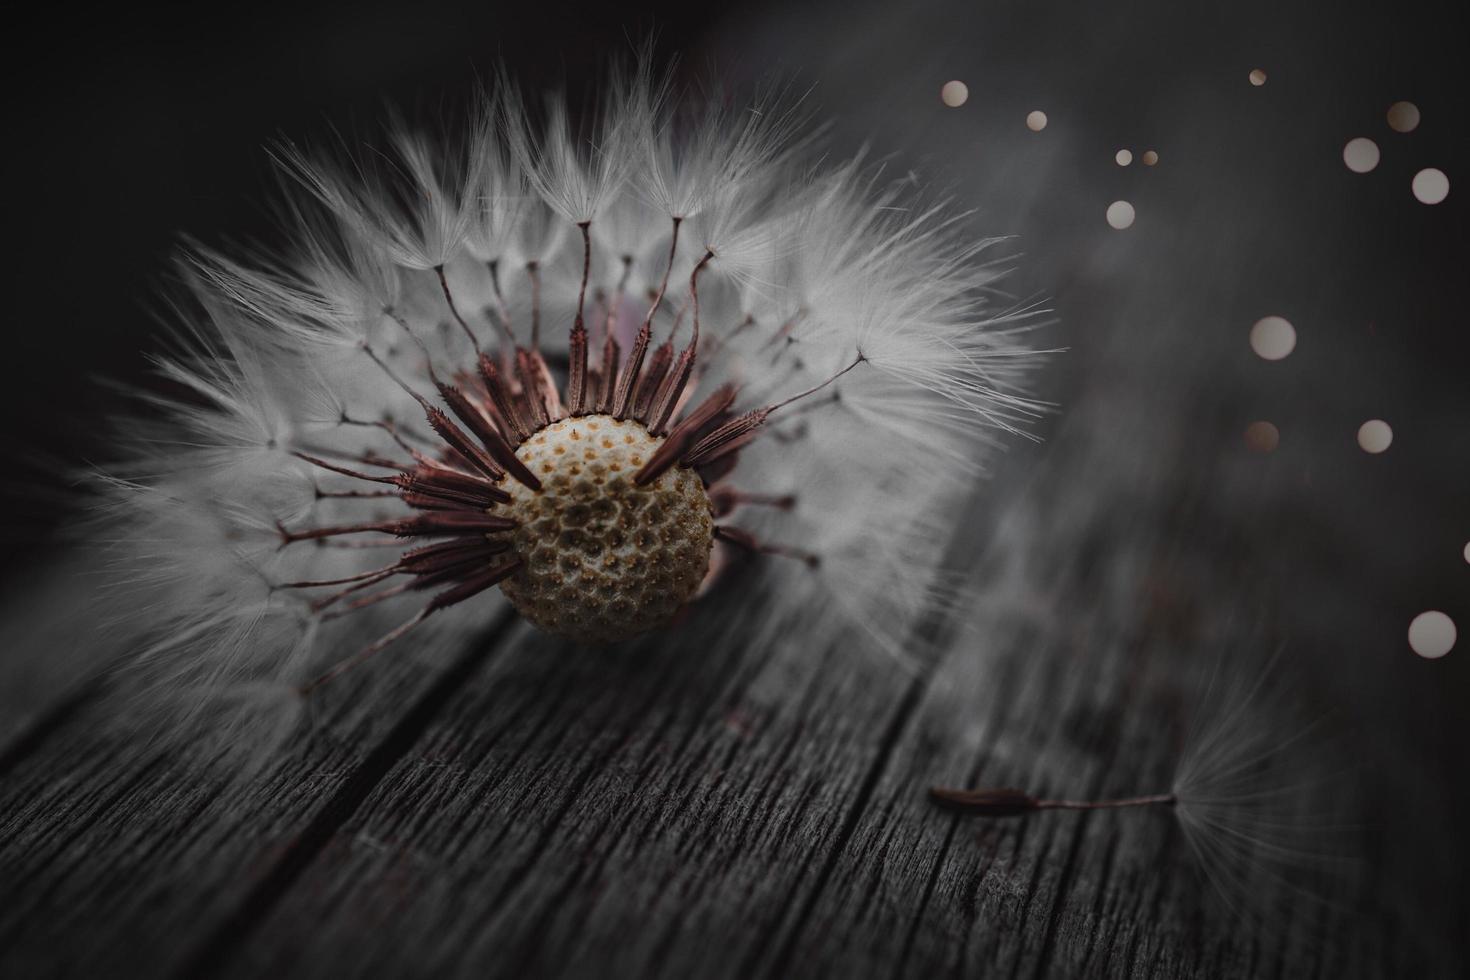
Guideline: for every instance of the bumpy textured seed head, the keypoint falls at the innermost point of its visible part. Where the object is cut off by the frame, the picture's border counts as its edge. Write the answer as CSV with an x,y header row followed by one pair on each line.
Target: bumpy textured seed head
x,y
603,559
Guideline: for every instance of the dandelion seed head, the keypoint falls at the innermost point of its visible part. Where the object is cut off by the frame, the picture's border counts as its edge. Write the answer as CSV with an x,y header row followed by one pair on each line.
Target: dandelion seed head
x,y
402,423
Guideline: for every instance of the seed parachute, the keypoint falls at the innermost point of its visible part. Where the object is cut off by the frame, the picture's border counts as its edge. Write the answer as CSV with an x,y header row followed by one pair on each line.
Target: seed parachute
x,y
591,366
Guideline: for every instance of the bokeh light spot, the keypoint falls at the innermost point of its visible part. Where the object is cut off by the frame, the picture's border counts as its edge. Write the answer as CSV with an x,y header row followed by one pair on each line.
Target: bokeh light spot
x,y
954,94
1360,154
1258,77
1036,120
1375,436
1432,634
1403,117
1273,337
1431,186
1262,437
1124,157
1467,552
1120,214
1150,157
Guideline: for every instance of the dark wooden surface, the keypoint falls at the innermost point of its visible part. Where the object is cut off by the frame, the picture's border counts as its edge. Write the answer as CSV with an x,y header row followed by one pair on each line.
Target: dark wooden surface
x,y
515,808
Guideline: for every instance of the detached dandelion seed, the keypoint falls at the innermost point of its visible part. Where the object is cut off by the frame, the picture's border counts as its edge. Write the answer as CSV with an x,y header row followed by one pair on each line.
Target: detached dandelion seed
x,y
547,360
1251,807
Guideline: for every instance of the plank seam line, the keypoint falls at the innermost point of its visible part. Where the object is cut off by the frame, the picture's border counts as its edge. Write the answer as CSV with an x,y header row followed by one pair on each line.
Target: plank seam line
x,y
1064,881
1153,900
912,697
741,677
1100,903
932,631
524,960
211,954
580,779
664,946
997,722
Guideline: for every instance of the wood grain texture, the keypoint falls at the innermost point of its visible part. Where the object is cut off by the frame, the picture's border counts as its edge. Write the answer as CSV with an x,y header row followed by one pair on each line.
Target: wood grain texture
x,y
123,855
524,809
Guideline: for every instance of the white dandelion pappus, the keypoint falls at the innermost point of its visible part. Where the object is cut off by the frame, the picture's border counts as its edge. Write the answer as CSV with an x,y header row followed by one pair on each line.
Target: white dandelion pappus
x,y
1262,818
593,368
1263,813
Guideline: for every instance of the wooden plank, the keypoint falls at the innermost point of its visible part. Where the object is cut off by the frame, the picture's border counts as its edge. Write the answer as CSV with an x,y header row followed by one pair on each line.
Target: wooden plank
x,y
1083,709
123,856
560,768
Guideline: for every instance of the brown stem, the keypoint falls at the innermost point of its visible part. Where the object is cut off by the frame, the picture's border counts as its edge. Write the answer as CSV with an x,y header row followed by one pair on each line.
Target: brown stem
x,y
694,295
1157,799
1007,802
744,539
418,341
504,313
663,286
611,320
533,271
448,298
586,227
813,390
577,344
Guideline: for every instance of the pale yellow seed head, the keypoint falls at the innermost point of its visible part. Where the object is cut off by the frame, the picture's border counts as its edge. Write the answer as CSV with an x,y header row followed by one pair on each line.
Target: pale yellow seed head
x,y
603,559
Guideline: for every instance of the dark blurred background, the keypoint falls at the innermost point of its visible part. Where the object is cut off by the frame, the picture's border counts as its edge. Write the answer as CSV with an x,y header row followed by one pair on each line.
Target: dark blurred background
x,y
130,126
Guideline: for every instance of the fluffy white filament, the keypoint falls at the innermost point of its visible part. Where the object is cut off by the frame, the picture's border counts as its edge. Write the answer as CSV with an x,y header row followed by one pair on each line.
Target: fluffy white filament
x,y
811,265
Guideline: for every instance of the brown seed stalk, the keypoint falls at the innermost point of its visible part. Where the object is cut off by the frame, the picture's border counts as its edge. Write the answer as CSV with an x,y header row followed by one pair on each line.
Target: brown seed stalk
x,y
1008,802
